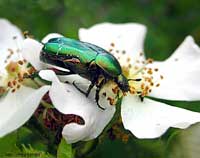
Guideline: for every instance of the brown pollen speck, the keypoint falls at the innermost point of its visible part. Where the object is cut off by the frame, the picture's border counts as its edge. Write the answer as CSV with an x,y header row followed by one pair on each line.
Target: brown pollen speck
x,y
111,100
112,44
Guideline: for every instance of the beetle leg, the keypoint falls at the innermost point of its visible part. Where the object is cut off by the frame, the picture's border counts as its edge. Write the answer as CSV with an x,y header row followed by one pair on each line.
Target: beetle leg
x,y
97,98
99,86
141,98
89,89
72,60
79,88
92,66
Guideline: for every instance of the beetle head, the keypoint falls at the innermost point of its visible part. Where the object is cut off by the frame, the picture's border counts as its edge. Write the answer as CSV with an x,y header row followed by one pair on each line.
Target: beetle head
x,y
122,82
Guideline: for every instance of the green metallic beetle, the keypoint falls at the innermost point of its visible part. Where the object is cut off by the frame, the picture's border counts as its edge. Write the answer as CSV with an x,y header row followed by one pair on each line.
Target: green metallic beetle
x,y
85,59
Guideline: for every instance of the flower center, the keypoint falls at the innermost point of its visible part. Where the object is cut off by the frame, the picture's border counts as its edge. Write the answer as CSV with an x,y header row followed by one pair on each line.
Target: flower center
x,y
141,73
145,78
16,74
16,69
109,94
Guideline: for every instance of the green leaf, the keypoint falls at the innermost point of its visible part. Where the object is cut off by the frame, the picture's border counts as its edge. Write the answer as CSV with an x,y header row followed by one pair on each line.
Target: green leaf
x,y
8,144
32,153
64,150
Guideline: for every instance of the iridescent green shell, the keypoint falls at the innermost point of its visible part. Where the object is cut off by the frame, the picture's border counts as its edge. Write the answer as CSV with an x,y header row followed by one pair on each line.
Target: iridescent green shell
x,y
85,52
71,48
109,64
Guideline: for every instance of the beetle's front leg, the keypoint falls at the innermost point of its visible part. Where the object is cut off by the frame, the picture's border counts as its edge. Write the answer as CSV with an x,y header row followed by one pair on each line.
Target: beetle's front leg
x,y
89,89
97,93
97,98
79,88
93,82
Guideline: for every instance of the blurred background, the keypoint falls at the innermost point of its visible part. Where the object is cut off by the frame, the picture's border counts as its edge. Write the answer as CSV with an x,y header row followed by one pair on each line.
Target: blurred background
x,y
168,23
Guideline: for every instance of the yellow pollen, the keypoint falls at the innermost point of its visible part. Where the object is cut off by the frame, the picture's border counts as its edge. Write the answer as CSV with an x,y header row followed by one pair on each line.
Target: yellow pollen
x,y
20,80
150,72
14,82
10,84
25,74
104,94
142,86
128,59
12,66
149,61
16,72
27,34
123,52
137,61
112,44
132,90
31,70
136,67
157,85
111,100
2,90
141,70
115,90
20,62
19,75
10,51
156,69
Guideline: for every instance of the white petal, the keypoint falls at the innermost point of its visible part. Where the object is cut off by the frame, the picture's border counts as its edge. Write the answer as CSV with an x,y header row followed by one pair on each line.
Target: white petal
x,y
16,108
77,79
68,100
128,37
31,52
95,118
8,32
49,36
10,38
181,74
150,119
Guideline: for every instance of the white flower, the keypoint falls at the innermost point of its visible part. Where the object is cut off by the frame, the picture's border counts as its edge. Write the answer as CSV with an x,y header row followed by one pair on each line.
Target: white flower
x,y
20,102
18,105
176,78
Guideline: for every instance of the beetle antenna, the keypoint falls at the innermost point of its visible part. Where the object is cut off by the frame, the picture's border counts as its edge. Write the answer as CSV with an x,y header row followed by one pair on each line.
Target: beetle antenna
x,y
137,79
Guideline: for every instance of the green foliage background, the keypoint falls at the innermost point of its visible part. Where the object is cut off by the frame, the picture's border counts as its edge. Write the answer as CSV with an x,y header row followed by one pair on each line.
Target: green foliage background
x,y
168,22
